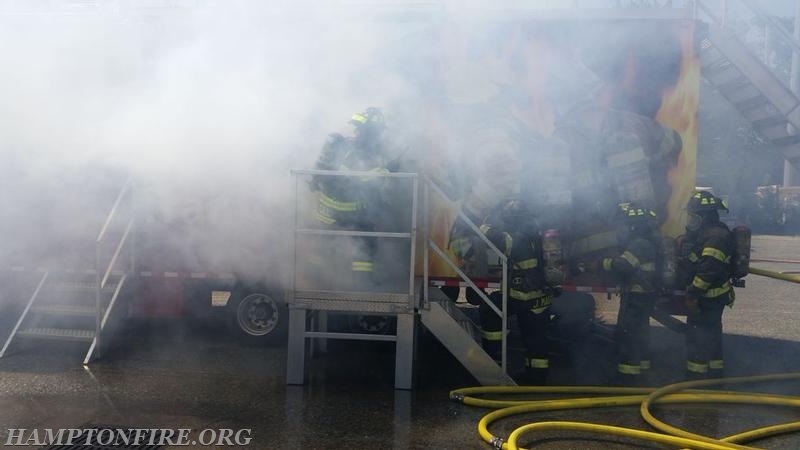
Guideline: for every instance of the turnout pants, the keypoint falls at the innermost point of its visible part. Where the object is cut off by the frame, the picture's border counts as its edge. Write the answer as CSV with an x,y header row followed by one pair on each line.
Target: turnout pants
x,y
704,339
533,326
633,336
348,263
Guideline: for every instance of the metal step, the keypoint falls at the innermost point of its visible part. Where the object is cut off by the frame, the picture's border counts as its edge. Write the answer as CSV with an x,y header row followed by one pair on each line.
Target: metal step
x,y
791,152
731,86
751,103
738,95
712,59
458,334
753,70
729,74
78,286
66,310
788,140
759,95
60,334
775,133
769,122
714,71
762,112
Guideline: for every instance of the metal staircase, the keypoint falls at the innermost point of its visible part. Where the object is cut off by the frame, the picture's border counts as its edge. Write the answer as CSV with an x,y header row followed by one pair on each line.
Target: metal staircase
x,y
76,306
462,338
446,321
415,303
749,85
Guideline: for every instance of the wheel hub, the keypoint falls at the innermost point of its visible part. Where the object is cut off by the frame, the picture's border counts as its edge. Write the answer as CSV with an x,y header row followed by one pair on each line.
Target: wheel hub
x,y
257,314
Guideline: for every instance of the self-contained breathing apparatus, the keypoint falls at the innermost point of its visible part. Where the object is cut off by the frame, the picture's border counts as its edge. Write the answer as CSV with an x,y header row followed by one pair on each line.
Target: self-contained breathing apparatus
x,y
551,252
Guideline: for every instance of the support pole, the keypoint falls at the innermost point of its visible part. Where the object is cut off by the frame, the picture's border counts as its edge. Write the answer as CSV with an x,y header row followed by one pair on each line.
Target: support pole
x,y
404,351
296,358
791,177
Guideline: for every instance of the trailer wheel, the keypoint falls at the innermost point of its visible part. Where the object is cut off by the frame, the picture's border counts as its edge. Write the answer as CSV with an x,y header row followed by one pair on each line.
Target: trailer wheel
x,y
257,318
372,324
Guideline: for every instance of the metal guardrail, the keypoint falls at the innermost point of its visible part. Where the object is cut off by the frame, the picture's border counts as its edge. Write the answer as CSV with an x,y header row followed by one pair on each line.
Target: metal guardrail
x,y
103,274
411,235
429,186
24,313
787,35
95,341
110,217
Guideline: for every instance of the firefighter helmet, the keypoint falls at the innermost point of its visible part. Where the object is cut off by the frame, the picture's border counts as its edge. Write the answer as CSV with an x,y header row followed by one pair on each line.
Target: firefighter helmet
x,y
631,212
370,118
704,201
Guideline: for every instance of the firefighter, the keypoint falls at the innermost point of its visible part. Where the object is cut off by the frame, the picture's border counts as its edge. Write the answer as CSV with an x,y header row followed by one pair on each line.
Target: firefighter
x,y
515,232
635,268
471,253
484,194
710,246
352,203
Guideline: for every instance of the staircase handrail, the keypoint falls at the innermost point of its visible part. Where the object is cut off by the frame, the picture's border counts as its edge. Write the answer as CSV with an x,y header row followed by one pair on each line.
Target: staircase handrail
x,y
714,18
753,6
95,342
102,274
117,252
125,187
24,314
430,244
786,34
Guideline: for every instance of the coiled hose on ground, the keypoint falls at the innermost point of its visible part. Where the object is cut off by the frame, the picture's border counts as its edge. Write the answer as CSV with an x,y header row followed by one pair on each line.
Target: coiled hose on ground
x,y
621,396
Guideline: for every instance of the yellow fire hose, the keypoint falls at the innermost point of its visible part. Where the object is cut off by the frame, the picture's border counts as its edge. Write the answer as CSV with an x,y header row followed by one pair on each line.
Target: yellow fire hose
x,y
657,424
776,275
627,397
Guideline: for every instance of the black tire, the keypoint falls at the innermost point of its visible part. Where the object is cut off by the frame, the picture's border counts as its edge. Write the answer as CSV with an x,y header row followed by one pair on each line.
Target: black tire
x,y
257,317
371,324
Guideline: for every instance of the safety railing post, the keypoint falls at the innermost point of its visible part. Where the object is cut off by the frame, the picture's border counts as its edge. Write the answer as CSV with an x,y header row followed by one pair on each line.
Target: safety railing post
x,y
413,243
426,254
101,275
504,343
97,290
724,22
294,236
132,248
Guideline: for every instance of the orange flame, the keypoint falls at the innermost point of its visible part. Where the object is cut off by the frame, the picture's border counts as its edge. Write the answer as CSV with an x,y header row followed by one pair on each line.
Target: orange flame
x,y
679,111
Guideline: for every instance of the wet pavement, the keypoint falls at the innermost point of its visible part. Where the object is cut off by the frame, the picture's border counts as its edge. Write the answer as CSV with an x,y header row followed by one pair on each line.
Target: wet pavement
x,y
173,375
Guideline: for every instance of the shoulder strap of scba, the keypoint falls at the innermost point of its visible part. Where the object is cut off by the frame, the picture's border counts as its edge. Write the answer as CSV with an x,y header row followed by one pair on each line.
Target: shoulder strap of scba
x,y
740,259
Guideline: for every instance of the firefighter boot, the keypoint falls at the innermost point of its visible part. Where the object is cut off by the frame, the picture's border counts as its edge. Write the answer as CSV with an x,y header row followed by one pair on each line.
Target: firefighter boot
x,y
716,369
696,371
491,329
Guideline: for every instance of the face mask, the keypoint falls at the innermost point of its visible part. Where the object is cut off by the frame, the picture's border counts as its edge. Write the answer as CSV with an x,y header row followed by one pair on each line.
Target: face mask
x,y
694,222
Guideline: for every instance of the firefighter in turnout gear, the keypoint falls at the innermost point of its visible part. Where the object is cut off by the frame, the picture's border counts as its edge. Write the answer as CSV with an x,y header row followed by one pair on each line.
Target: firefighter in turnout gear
x,y
351,203
516,233
710,246
635,268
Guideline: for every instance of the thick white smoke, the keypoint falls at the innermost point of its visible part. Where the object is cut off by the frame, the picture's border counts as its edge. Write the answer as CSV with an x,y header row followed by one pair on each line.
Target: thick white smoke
x,y
207,104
